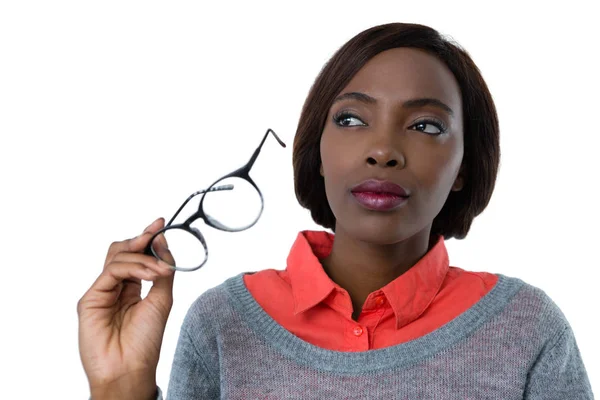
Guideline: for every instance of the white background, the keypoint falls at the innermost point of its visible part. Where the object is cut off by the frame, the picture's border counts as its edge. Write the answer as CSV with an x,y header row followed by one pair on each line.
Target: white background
x,y
112,112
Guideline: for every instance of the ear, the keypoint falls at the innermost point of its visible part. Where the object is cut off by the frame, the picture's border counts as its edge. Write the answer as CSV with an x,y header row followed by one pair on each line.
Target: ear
x,y
321,169
459,182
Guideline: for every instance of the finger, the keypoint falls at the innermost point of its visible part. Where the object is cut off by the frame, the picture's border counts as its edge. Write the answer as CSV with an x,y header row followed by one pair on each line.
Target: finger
x,y
131,288
158,266
152,263
155,225
138,258
161,292
107,288
162,240
136,244
162,250
117,272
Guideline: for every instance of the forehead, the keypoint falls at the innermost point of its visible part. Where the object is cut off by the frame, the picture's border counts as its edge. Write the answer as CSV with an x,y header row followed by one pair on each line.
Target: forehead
x,y
403,73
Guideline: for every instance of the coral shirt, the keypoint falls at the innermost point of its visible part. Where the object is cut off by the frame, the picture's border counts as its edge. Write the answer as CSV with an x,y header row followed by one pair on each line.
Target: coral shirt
x,y
305,301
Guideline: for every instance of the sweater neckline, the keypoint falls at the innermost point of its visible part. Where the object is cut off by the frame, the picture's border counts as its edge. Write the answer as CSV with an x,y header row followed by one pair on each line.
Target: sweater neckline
x,y
400,355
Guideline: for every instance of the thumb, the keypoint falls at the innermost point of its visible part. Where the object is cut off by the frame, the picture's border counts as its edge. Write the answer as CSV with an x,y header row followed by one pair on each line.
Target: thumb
x,y
161,247
140,242
161,292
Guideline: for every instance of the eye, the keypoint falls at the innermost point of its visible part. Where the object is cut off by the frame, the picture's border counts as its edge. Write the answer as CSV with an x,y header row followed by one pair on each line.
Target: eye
x,y
430,127
344,118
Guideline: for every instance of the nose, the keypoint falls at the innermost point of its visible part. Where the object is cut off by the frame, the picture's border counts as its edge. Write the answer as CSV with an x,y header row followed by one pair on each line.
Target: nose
x,y
385,153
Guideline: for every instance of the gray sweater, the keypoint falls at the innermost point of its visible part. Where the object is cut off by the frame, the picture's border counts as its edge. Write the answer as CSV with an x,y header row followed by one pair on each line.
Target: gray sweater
x,y
514,343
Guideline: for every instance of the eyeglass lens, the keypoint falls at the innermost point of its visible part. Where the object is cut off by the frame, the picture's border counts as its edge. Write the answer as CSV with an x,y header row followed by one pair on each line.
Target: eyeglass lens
x,y
235,209
186,250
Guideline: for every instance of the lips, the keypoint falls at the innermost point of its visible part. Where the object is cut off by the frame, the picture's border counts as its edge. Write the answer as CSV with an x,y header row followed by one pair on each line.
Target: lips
x,y
376,186
379,195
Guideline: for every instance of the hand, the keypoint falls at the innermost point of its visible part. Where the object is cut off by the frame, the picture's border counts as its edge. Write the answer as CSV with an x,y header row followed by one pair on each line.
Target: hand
x,y
120,334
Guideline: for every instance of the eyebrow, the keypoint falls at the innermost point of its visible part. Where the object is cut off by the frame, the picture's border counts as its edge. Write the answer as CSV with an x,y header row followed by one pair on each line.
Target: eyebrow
x,y
413,103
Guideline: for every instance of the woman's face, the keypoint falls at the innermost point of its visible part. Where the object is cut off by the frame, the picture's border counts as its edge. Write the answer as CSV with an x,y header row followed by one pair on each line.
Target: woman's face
x,y
403,126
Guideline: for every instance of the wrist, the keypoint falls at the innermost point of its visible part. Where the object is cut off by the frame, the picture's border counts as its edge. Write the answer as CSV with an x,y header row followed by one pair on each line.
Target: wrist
x,y
130,387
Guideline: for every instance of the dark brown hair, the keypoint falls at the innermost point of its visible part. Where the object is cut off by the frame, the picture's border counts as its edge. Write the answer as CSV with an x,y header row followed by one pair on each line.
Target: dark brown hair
x,y
481,131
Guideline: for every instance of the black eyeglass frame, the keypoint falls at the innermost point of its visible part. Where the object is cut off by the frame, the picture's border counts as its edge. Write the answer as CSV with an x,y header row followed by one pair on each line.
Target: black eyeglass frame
x,y
242,173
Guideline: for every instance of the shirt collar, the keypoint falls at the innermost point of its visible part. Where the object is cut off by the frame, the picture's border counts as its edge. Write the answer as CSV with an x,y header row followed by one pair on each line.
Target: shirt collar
x,y
409,295
310,284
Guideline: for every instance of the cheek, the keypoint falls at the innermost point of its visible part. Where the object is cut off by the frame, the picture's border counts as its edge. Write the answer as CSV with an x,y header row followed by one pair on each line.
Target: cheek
x,y
335,157
437,172
337,162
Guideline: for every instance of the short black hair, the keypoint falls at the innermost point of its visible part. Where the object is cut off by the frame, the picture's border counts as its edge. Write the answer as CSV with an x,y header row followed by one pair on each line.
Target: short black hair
x,y
481,131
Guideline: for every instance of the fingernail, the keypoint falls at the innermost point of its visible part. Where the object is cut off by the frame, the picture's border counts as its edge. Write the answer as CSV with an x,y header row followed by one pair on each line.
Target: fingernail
x,y
165,265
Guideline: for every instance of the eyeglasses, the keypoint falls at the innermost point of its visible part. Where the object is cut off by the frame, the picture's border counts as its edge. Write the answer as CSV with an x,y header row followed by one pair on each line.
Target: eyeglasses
x,y
235,204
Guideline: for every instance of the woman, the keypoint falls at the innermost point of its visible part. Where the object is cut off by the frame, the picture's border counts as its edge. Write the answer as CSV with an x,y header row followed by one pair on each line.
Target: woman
x,y
397,149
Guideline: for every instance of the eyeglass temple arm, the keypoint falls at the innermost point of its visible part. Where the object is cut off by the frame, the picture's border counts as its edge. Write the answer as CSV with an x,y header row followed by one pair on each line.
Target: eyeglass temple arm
x,y
212,189
257,151
229,187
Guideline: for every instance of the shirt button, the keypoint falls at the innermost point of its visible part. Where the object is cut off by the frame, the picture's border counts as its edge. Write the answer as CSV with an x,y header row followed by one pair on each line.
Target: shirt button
x,y
358,331
380,300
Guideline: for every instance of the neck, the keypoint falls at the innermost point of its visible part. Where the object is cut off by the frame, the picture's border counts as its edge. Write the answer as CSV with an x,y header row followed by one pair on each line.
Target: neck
x,y
362,267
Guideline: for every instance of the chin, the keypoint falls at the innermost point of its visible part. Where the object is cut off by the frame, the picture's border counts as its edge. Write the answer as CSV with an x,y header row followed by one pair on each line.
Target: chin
x,y
377,229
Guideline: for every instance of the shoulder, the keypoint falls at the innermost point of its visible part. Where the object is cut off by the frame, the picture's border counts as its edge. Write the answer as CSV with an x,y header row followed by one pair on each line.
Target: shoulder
x,y
212,317
523,301
212,307
226,305
531,307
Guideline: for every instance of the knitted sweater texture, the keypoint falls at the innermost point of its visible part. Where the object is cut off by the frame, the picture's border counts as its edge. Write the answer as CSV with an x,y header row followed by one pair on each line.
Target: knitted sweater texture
x,y
515,343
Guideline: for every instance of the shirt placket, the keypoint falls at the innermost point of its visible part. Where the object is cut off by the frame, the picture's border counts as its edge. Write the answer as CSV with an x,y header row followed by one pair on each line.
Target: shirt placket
x,y
360,333
357,336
